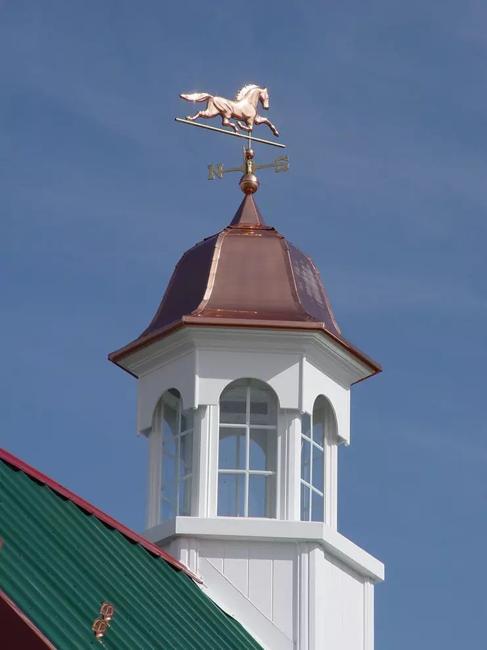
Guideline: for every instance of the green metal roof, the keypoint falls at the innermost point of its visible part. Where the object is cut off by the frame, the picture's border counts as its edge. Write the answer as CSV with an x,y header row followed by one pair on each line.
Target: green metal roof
x,y
60,560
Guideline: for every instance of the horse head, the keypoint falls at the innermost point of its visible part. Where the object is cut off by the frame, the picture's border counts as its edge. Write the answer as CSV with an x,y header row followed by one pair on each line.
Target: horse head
x,y
264,98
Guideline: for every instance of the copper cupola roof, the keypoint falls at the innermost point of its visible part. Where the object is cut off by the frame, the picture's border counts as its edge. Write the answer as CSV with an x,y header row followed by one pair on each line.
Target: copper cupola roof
x,y
247,275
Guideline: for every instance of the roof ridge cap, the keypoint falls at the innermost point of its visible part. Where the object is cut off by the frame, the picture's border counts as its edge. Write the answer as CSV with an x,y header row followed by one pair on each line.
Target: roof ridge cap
x,y
211,274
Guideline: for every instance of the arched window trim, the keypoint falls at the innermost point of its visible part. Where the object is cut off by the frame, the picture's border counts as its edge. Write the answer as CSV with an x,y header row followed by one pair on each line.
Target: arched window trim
x,y
247,472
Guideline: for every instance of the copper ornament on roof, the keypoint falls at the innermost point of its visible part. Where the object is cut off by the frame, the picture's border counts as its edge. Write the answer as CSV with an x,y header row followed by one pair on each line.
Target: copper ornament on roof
x,y
102,622
243,111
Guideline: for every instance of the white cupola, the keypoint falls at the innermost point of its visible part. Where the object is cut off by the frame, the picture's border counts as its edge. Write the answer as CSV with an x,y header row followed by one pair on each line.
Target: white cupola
x,y
244,385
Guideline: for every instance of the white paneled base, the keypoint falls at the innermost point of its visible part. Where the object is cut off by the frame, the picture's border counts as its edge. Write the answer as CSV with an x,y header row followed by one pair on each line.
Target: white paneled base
x,y
231,600
288,595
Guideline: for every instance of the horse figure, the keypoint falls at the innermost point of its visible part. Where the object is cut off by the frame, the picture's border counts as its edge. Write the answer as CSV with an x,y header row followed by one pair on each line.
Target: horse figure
x,y
243,108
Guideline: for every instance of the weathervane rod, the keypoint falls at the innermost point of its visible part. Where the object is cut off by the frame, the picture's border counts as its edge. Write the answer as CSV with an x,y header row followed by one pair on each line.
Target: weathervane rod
x,y
226,132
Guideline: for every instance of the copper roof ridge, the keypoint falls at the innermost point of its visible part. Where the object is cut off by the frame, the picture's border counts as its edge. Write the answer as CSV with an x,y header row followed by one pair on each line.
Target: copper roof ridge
x,y
171,282
106,519
324,295
320,285
285,245
210,283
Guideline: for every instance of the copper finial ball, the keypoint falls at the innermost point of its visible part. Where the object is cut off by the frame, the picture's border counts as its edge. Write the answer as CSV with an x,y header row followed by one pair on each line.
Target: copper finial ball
x,y
249,183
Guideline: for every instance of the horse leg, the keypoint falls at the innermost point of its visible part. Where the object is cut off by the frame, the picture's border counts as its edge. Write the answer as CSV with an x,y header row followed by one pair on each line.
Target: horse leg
x,y
195,116
248,125
226,122
263,120
209,112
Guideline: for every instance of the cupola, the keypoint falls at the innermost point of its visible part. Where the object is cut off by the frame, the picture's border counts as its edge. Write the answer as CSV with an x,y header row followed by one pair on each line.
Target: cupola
x,y
243,392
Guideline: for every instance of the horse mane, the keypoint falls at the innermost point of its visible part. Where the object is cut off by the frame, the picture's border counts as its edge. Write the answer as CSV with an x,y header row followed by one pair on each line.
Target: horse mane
x,y
244,90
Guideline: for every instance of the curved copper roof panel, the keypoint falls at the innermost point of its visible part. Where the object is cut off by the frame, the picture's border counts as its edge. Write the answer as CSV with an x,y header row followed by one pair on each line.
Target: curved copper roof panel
x,y
246,275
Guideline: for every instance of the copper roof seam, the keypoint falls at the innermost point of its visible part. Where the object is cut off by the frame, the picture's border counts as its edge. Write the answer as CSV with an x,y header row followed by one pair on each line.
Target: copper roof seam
x,y
172,281
285,245
211,275
324,294
166,293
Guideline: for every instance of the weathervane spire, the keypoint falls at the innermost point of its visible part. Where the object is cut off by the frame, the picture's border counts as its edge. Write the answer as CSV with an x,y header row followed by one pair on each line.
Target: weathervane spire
x,y
249,183
243,110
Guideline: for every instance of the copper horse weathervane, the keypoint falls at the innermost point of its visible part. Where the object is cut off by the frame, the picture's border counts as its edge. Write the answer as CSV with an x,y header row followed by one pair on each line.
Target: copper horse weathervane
x,y
243,110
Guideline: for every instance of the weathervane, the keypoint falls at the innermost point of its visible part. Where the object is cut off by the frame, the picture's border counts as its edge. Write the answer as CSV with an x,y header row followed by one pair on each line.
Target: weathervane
x,y
243,109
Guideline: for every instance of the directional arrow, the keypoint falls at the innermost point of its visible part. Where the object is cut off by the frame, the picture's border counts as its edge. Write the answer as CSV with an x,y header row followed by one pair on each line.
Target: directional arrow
x,y
280,164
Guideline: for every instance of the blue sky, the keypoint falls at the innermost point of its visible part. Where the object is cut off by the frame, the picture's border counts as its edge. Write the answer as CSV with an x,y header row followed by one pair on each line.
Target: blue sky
x,y
383,108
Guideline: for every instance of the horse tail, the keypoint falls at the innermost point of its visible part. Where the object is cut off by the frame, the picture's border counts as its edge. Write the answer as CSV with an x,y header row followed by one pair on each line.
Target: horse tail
x,y
195,97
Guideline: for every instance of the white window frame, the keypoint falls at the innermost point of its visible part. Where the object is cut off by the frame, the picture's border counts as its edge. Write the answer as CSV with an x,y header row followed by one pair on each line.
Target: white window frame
x,y
247,472
309,485
321,448
178,437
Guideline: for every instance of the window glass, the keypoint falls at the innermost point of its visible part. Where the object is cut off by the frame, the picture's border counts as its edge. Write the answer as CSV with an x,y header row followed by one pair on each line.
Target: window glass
x,y
318,423
247,450
169,477
262,405
262,449
231,495
261,495
304,502
231,448
185,455
305,460
233,404
187,420
177,456
313,462
167,509
169,486
169,445
185,496
318,468
317,510
170,418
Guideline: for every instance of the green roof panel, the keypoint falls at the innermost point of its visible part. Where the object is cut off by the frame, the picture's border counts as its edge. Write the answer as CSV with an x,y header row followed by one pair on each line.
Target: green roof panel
x,y
59,562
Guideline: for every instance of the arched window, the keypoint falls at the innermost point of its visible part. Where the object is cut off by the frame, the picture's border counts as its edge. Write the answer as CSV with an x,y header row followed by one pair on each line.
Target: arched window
x,y
247,450
313,431
177,456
